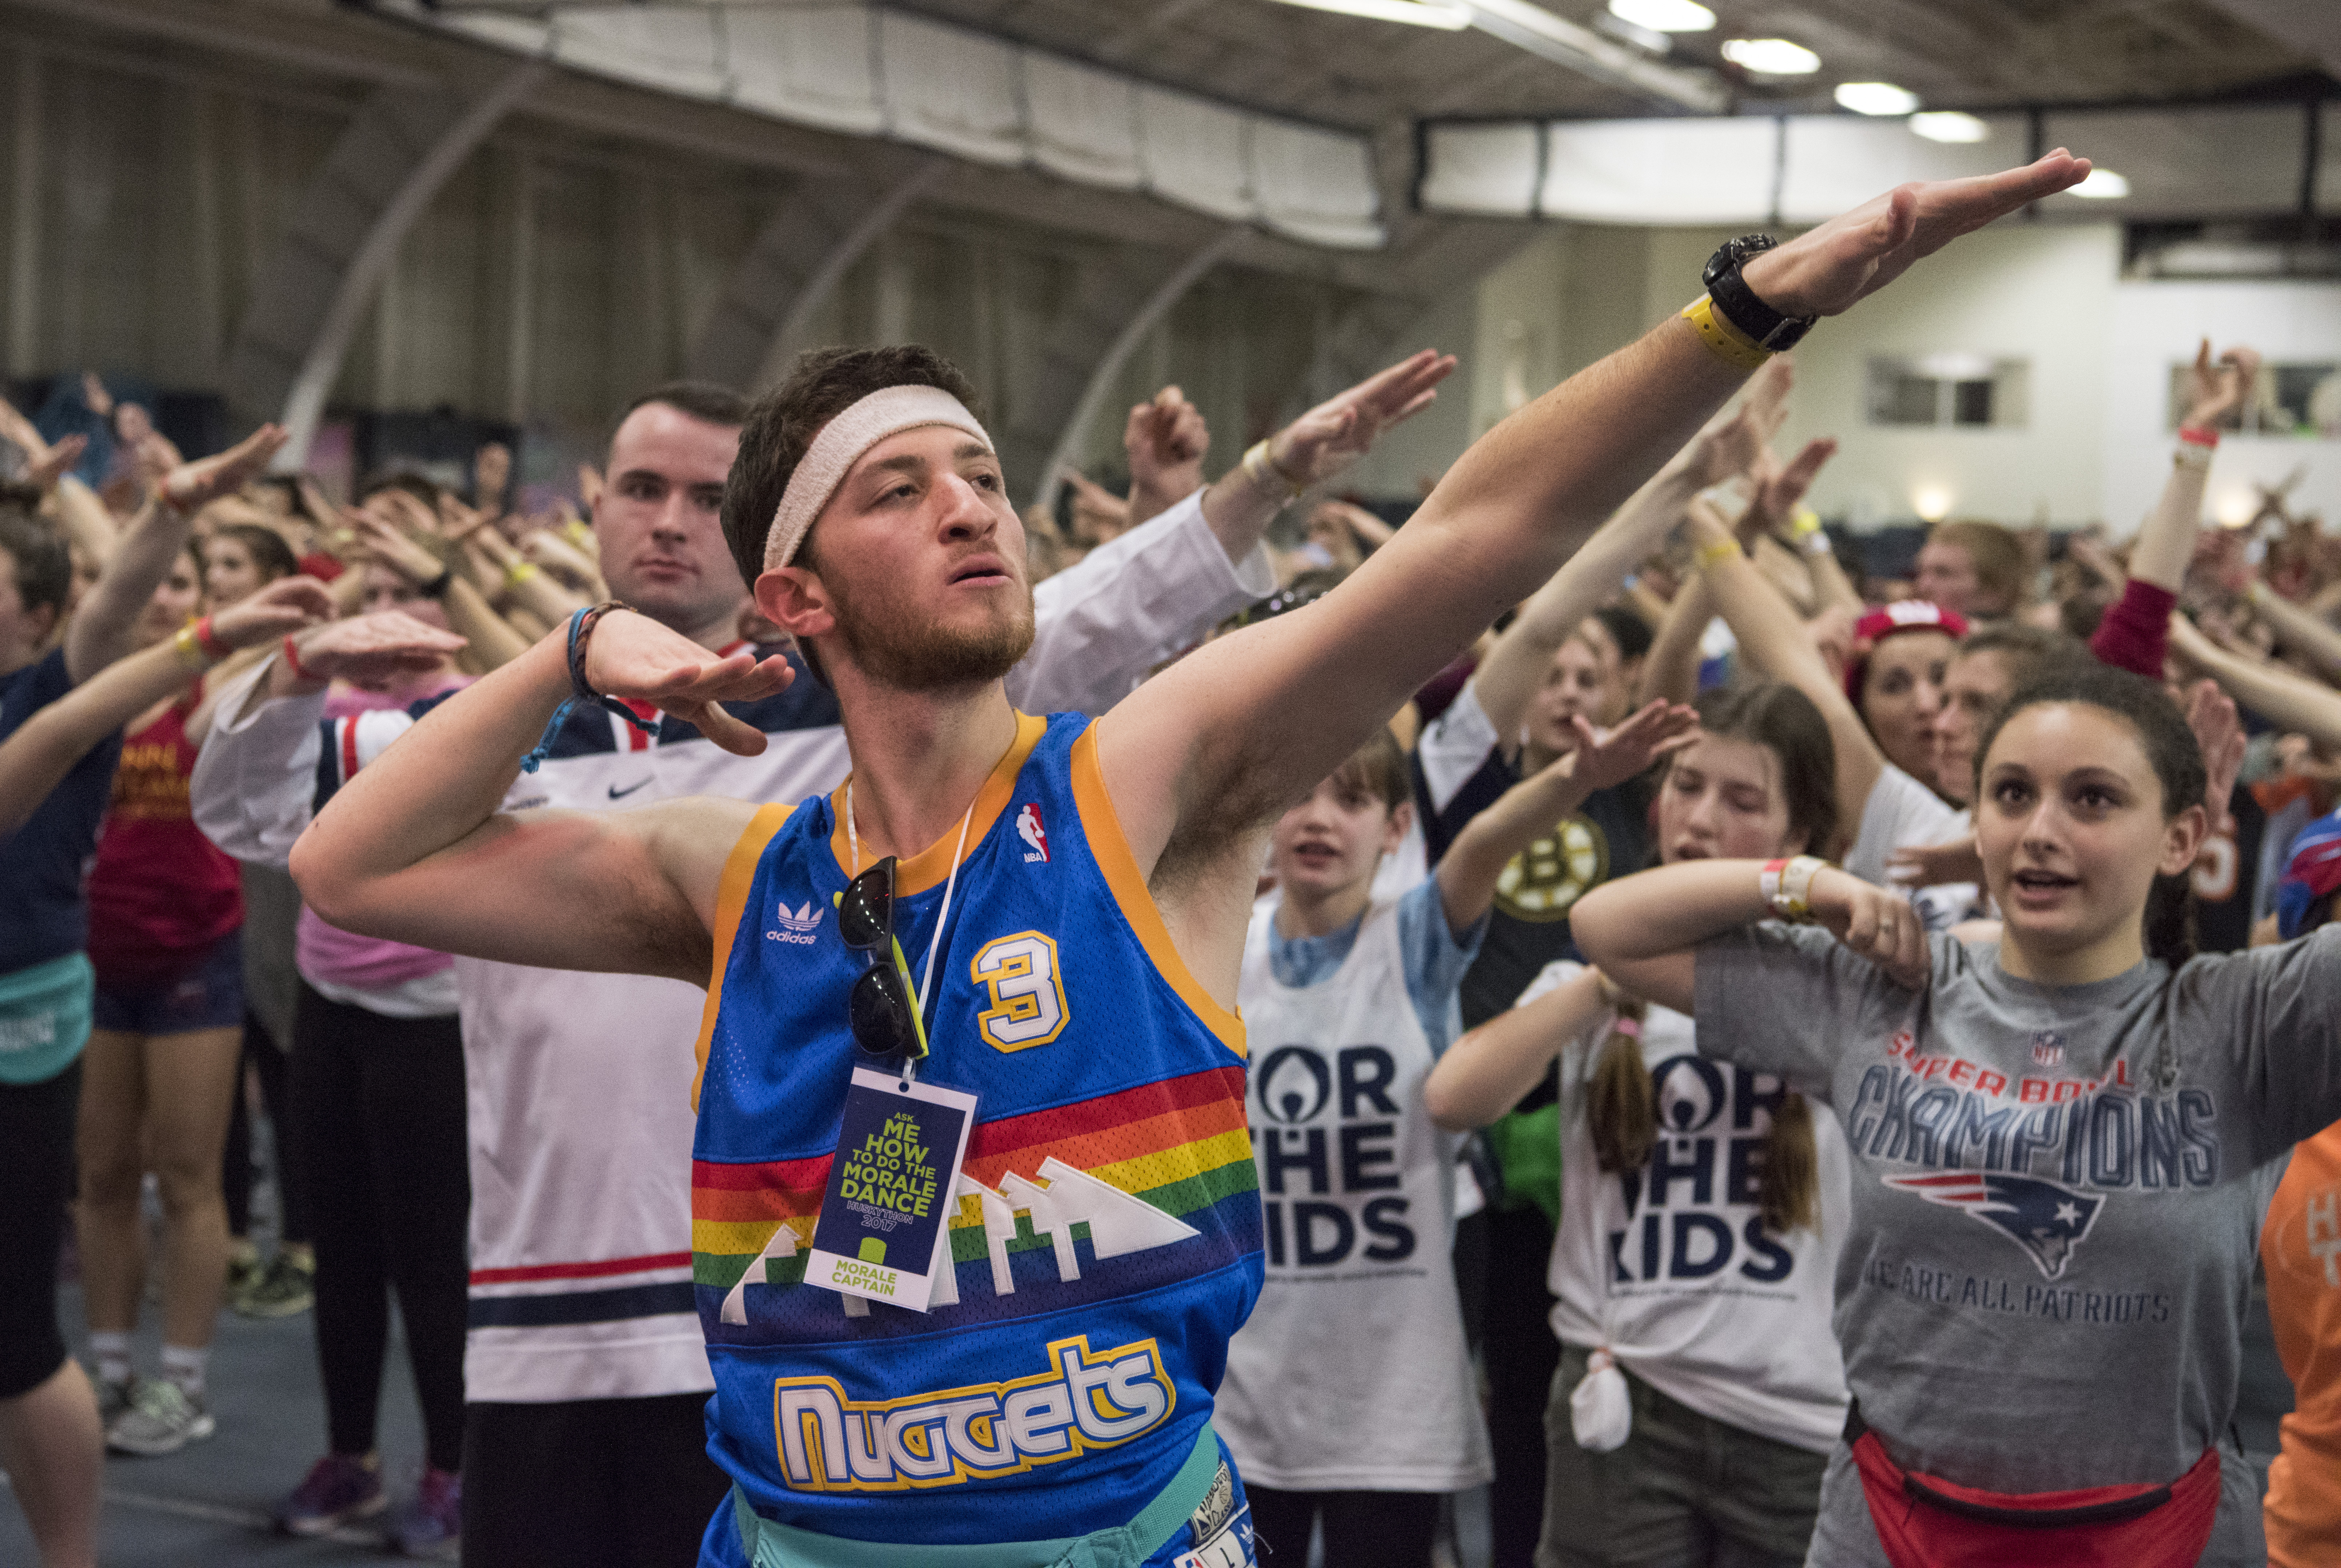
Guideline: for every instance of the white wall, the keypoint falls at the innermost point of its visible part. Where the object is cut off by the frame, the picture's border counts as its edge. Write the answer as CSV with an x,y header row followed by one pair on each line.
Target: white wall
x,y
2038,291
2157,326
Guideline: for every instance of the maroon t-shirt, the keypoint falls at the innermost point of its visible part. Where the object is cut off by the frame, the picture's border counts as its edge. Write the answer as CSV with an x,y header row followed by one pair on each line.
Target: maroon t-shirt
x,y
161,895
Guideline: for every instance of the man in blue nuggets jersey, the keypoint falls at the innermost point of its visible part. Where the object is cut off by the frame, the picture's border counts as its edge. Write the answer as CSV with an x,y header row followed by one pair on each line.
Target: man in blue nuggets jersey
x,y
1041,1394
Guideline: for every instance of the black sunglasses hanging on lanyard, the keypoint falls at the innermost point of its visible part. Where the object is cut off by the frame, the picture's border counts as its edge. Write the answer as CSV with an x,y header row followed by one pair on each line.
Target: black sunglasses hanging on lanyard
x,y
884,1018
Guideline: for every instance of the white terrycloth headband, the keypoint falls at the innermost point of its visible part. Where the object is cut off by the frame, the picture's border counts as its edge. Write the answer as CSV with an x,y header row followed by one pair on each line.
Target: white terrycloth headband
x,y
839,445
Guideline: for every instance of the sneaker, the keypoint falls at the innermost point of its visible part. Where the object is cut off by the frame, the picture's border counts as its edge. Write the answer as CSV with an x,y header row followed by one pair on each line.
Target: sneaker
x,y
113,1398
285,1289
337,1490
430,1522
245,1270
162,1419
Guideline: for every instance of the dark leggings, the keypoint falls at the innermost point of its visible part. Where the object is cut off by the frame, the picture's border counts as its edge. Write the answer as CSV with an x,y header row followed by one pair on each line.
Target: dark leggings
x,y
36,1174
381,1104
589,1482
1362,1529
267,1060
1518,1348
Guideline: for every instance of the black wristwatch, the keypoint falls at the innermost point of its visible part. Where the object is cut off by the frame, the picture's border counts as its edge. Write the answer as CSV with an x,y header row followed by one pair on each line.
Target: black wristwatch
x,y
1765,327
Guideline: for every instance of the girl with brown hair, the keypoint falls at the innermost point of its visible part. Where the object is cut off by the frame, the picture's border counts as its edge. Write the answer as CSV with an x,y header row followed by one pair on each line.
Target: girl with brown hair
x,y
1699,1390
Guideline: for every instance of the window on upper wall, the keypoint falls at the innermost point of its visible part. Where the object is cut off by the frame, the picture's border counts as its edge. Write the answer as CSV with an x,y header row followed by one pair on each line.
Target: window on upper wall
x,y
1950,392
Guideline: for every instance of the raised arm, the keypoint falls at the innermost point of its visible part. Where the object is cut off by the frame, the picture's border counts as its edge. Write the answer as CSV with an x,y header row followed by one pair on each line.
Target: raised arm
x,y
1643,931
1773,641
1723,449
1526,812
2285,699
414,849
2296,629
1222,742
1483,1075
2166,540
100,632
44,748
1165,438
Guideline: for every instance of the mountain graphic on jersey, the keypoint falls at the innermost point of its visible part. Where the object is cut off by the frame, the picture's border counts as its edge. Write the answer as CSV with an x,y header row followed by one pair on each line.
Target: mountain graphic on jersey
x,y
1054,1206
2045,1218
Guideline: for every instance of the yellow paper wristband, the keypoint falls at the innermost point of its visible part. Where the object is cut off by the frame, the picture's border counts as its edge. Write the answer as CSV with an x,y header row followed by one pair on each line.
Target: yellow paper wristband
x,y
1720,550
1723,340
519,572
188,651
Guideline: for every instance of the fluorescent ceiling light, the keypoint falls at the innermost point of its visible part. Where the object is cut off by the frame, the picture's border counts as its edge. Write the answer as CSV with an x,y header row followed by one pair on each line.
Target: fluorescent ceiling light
x,y
1414,13
1876,98
1947,125
2102,185
1771,56
1664,16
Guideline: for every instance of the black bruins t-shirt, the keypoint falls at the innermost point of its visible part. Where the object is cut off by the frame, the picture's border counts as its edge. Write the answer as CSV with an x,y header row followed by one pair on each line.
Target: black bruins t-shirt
x,y
1610,836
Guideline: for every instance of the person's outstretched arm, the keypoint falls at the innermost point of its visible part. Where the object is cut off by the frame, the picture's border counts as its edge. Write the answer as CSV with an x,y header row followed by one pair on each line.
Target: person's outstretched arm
x,y
1222,742
44,748
1643,931
2285,699
1527,811
1101,623
1726,448
1484,1075
2131,634
1773,641
100,631
413,849
2296,629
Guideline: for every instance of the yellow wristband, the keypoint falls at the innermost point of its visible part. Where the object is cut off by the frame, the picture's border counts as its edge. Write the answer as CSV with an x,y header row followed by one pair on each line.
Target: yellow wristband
x,y
518,572
1708,555
1724,340
189,650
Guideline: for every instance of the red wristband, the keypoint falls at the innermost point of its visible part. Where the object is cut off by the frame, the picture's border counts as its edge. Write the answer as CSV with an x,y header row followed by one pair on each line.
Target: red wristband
x,y
293,662
2198,435
216,647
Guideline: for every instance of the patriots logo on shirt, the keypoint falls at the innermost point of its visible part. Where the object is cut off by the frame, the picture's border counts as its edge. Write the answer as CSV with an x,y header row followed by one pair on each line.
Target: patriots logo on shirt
x,y
2045,1218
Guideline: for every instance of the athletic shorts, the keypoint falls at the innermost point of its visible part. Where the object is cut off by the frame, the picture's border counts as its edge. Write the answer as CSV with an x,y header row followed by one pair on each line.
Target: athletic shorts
x,y
36,1179
208,997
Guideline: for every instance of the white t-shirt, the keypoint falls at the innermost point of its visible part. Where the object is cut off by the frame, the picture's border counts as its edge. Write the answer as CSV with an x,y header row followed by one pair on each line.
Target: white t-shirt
x,y
1671,1268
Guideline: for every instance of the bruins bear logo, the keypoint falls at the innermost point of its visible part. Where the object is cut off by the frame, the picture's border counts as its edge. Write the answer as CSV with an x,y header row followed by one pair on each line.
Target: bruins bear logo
x,y
1549,875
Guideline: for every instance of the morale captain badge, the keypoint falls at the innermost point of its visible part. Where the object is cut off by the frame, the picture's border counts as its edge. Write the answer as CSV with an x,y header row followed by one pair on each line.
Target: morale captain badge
x,y
889,1189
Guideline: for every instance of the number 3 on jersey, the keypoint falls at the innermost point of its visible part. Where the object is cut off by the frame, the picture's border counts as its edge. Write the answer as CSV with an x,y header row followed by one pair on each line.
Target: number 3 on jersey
x,y
1028,997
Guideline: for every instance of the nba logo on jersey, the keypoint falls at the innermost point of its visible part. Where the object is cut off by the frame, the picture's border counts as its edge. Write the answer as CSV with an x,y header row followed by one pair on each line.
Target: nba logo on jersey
x,y
1029,828
2048,1049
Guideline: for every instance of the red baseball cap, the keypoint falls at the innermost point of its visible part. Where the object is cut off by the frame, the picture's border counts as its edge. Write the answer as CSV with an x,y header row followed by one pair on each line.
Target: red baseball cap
x,y
1902,615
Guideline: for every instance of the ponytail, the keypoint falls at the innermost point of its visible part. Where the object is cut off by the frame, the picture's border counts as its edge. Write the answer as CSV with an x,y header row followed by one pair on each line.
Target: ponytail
x,y
1790,1187
1623,1110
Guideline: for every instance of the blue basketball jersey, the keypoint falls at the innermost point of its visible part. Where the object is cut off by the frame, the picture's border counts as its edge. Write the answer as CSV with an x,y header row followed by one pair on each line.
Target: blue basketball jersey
x,y
1106,1230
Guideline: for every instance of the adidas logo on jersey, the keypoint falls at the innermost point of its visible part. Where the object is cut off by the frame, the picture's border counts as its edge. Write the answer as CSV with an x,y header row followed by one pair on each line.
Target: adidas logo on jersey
x,y
829,1443
797,926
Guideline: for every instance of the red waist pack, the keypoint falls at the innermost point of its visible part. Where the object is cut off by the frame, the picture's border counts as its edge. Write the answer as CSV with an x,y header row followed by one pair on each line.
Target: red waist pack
x,y
1925,1522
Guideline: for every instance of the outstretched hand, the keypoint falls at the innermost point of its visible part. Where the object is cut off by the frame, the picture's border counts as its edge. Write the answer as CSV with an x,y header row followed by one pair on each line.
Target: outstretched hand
x,y
1730,444
1935,865
1879,926
190,485
1659,729
45,469
285,605
1780,488
2217,390
1828,270
1339,430
374,650
2219,732
631,656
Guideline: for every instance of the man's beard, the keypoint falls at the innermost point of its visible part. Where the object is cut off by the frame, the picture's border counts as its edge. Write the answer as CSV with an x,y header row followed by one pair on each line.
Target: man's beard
x,y
892,644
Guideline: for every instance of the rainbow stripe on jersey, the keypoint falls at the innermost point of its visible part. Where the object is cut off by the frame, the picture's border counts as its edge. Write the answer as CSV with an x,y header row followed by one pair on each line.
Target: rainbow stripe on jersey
x,y
1106,1233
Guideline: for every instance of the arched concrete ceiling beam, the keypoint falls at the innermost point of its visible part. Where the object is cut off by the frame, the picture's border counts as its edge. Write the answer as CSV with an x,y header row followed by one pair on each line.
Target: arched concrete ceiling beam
x,y
1102,373
765,315
314,289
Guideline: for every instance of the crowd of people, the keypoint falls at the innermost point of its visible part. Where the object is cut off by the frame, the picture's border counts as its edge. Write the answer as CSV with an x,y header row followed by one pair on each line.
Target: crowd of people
x,y
858,1027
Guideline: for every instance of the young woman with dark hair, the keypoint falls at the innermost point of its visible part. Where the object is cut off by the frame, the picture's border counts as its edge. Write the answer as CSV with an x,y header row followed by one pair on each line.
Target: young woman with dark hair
x,y
1699,1389
2061,1146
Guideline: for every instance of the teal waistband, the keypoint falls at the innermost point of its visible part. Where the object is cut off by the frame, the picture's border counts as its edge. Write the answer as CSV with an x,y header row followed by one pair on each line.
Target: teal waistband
x,y
45,1011
772,1545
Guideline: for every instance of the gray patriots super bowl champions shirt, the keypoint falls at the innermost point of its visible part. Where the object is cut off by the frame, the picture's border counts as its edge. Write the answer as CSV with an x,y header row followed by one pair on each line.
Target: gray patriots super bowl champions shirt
x,y
2057,1198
